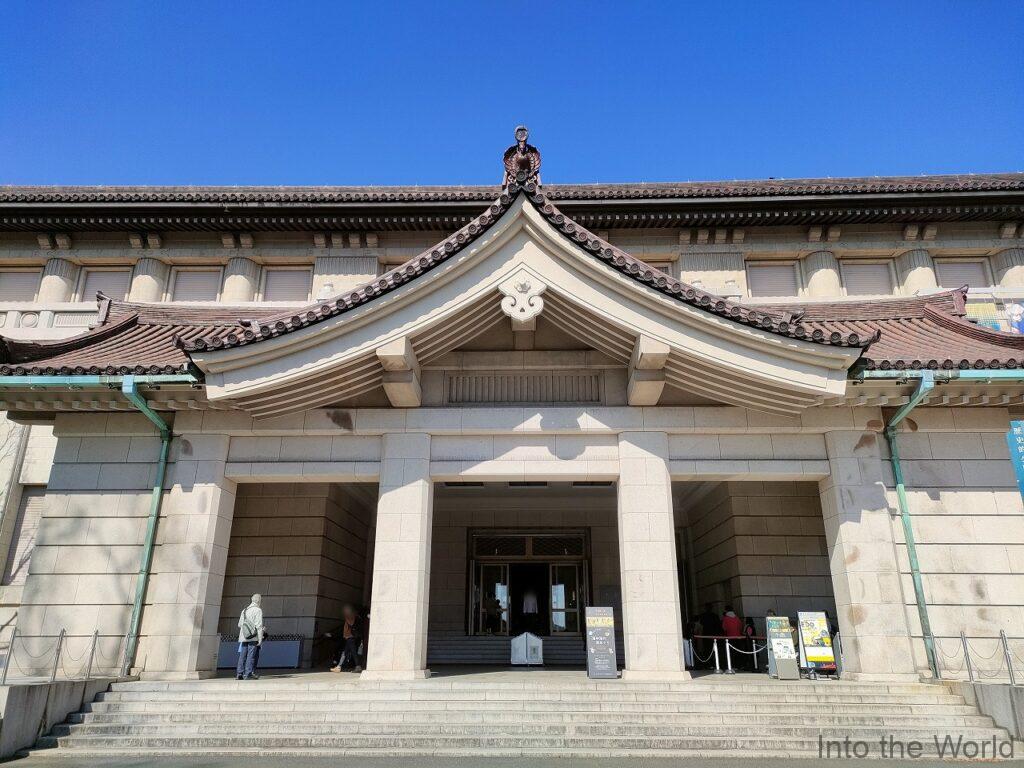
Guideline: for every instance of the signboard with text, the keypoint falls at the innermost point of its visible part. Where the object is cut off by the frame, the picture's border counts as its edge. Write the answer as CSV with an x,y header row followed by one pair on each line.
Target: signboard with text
x,y
815,641
781,651
1015,440
601,643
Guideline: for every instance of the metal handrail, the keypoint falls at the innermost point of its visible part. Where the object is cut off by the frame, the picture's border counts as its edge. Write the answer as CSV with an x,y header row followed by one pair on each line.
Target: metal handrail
x,y
982,658
50,664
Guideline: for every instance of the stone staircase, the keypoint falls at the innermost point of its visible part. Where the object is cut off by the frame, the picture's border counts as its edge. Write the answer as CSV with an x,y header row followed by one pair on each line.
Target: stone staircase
x,y
510,713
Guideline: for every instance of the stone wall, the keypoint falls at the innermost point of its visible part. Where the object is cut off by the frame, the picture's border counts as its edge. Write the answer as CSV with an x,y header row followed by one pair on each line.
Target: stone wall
x,y
303,547
968,523
761,546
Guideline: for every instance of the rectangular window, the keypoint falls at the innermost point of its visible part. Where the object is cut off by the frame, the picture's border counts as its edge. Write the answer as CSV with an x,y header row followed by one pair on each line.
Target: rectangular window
x,y
283,284
861,279
30,512
195,285
112,283
19,284
772,280
954,274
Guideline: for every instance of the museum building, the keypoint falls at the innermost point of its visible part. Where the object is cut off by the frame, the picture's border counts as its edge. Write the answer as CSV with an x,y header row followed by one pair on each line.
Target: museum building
x,y
478,410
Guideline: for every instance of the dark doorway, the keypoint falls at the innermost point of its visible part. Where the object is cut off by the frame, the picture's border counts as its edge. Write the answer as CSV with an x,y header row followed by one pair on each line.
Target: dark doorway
x,y
528,592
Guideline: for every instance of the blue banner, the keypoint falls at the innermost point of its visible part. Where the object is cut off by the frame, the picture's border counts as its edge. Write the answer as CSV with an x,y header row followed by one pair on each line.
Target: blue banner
x,y
1015,439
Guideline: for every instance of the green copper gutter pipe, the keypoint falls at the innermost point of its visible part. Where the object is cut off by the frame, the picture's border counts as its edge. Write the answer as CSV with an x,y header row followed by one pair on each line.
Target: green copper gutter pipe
x,y
925,384
926,380
129,386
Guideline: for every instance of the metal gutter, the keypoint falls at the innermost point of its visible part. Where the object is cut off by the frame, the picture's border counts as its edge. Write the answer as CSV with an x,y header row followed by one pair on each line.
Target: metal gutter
x,y
130,389
129,386
925,384
926,381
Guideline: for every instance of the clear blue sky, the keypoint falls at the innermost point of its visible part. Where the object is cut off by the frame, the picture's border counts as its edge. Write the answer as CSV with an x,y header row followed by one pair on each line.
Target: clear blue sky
x,y
286,92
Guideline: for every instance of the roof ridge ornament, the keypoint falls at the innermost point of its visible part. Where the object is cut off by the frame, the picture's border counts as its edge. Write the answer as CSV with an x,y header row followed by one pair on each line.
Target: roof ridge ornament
x,y
522,160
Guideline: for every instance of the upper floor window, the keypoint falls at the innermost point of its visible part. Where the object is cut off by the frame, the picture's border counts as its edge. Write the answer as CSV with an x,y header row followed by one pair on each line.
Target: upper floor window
x,y
956,273
112,283
867,279
189,284
19,284
772,279
287,284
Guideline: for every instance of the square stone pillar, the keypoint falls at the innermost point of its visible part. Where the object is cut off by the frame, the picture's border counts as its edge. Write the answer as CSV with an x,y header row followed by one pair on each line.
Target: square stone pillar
x,y
862,553
401,561
651,613
179,637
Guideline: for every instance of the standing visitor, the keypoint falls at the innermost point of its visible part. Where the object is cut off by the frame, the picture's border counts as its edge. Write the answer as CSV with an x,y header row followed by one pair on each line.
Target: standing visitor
x,y
250,637
348,641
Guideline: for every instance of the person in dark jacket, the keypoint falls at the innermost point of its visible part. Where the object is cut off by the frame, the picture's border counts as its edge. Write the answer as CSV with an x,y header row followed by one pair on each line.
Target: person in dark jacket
x,y
347,639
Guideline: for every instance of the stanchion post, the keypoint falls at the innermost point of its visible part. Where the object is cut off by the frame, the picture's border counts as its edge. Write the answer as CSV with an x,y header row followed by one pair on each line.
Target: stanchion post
x,y
728,659
92,652
7,659
753,647
56,655
718,667
1009,658
967,656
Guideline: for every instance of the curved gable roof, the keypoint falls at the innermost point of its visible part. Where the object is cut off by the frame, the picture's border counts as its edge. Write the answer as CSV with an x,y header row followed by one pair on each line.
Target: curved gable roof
x,y
779,321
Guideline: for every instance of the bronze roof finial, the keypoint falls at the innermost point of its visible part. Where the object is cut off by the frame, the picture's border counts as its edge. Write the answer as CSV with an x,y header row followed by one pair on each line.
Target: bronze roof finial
x,y
522,160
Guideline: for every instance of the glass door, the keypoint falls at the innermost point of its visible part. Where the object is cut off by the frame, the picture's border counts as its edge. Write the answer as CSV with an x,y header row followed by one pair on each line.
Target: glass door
x,y
566,597
491,598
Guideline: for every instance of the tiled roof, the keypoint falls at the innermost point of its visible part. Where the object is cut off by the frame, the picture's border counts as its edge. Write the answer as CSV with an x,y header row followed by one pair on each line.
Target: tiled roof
x,y
912,333
994,182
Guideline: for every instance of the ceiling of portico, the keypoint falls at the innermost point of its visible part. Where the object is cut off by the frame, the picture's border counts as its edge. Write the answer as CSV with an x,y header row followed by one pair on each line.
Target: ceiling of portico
x,y
469,295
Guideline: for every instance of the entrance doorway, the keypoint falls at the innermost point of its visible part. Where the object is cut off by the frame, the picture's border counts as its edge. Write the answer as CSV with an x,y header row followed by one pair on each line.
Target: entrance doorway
x,y
527,582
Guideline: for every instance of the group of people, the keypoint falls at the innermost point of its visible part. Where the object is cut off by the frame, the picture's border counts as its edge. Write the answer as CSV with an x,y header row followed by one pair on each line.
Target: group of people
x,y
349,640
728,624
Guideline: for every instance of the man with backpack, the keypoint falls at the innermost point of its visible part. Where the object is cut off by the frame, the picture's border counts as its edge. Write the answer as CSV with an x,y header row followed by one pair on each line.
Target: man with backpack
x,y
250,635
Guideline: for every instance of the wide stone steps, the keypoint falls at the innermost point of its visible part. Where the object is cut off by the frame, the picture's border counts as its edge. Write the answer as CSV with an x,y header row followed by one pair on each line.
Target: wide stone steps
x,y
346,745
533,716
867,717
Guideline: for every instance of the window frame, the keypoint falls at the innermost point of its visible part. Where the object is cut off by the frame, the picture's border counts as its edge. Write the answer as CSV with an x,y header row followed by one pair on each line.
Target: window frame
x,y
894,282
84,275
794,264
173,278
986,268
261,295
38,271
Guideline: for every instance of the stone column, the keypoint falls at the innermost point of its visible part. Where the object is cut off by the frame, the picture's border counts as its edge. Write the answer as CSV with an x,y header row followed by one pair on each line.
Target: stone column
x,y
149,280
1009,268
58,283
821,270
401,561
179,638
651,616
916,272
241,280
862,554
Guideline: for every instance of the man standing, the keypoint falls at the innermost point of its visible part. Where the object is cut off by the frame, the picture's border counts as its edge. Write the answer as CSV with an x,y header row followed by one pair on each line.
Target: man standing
x,y
250,636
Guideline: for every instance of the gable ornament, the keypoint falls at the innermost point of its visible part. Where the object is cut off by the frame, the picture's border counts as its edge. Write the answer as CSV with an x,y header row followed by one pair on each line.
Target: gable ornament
x,y
522,300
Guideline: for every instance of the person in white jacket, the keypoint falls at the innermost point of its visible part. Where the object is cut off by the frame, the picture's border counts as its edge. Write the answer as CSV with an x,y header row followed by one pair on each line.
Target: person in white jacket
x,y
250,637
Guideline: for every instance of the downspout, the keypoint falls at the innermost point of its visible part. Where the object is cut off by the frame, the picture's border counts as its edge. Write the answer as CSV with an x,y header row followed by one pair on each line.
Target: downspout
x,y
924,385
129,388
